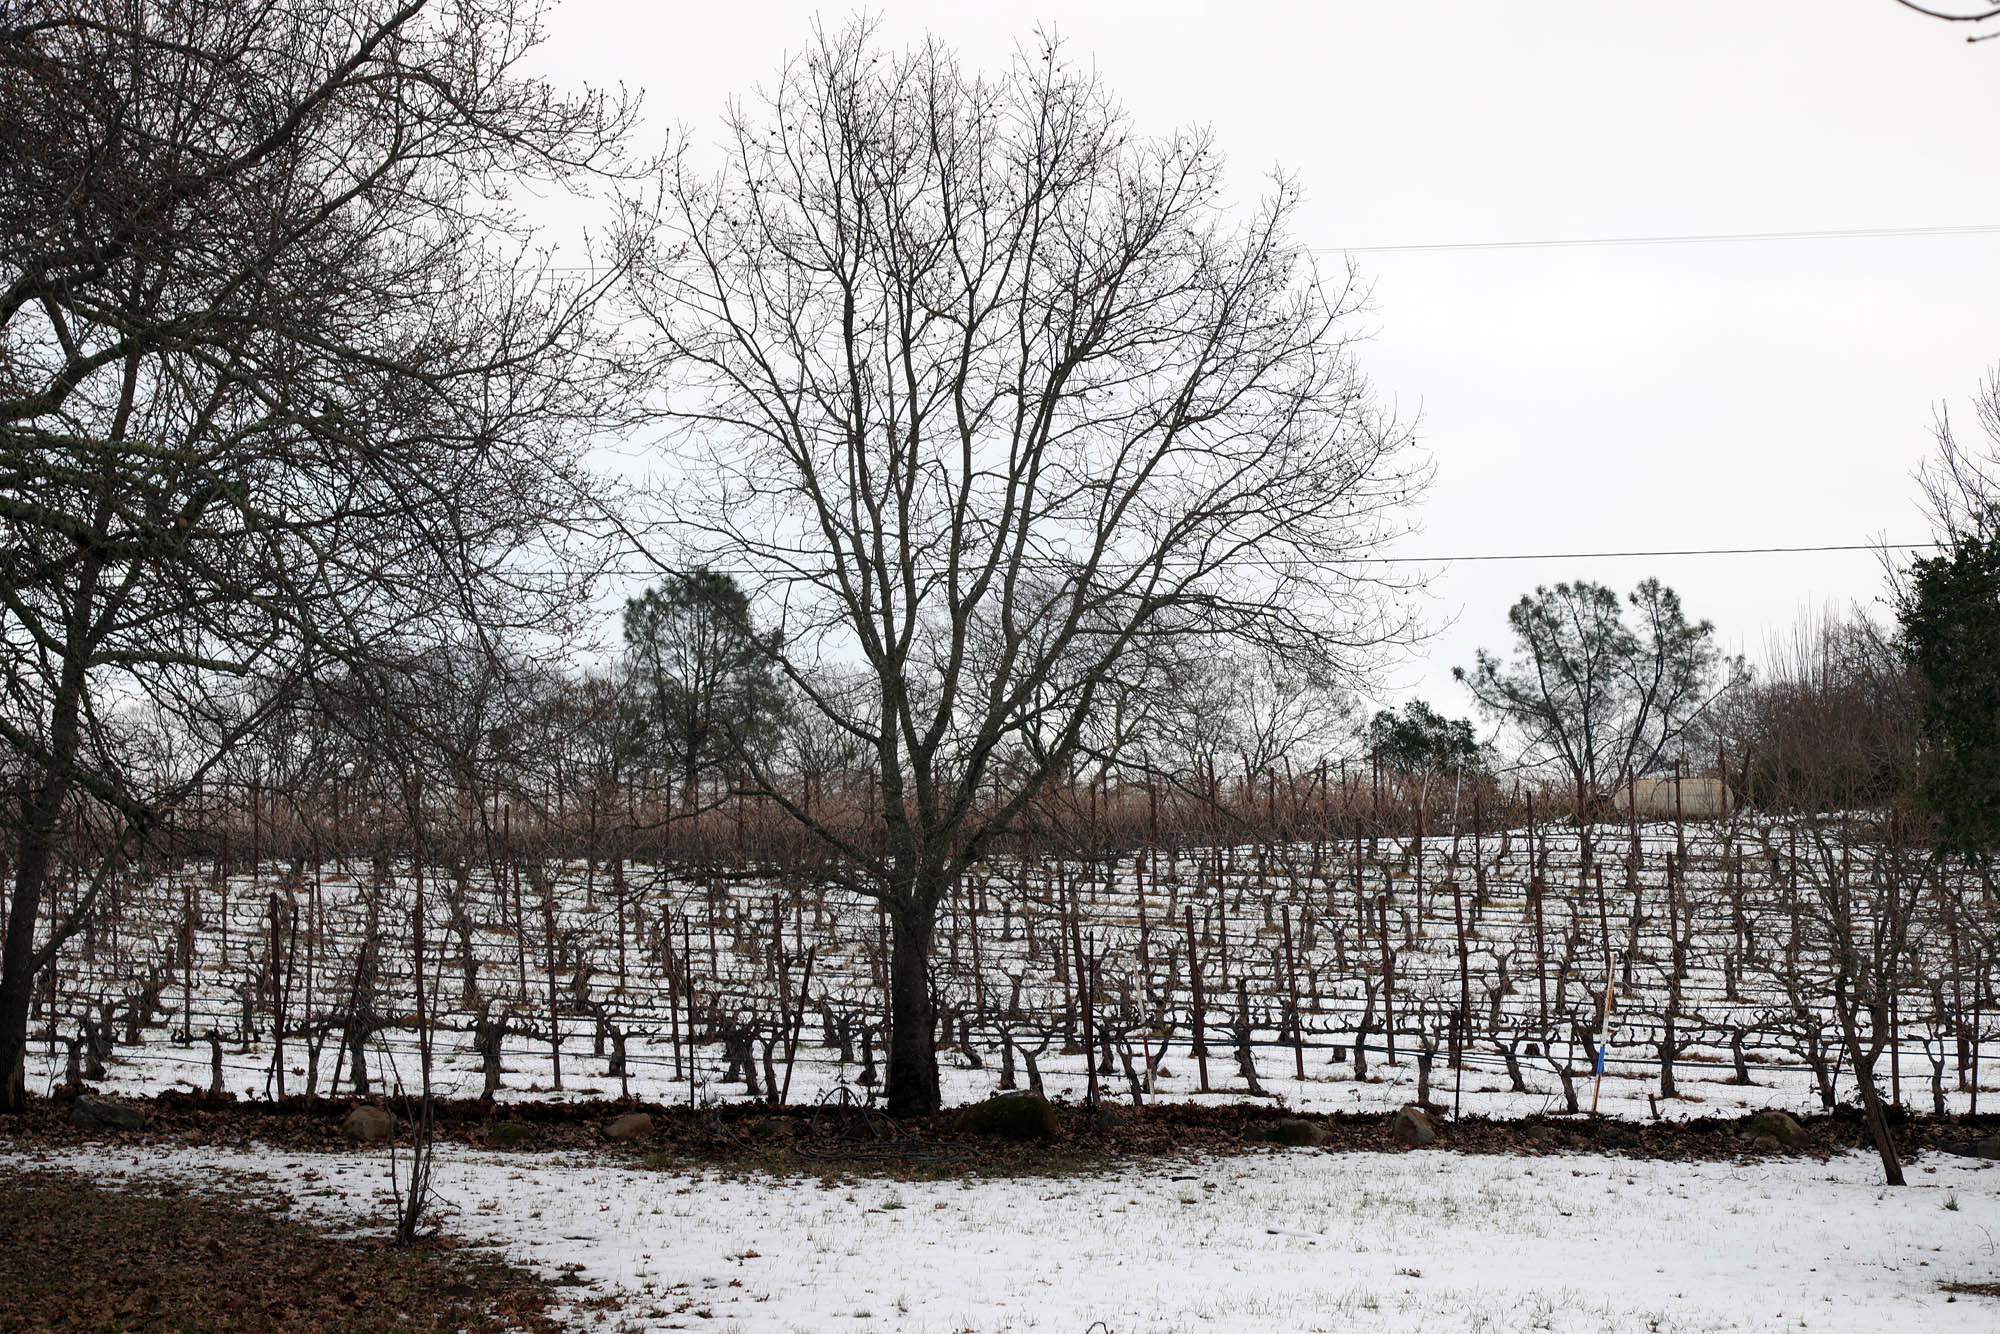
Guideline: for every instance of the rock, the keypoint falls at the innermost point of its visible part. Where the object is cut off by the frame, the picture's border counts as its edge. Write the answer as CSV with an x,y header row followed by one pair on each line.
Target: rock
x,y
1412,1129
1765,1144
629,1128
509,1134
1779,1126
88,1113
1011,1116
1297,1134
1978,1148
368,1125
1110,1116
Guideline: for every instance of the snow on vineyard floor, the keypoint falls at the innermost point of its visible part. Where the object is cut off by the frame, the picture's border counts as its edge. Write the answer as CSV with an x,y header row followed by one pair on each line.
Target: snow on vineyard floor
x,y
1318,939
1705,1091
1298,1240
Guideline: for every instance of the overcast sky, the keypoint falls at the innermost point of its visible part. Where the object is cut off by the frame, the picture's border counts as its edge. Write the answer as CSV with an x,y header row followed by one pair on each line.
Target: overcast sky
x,y
1576,398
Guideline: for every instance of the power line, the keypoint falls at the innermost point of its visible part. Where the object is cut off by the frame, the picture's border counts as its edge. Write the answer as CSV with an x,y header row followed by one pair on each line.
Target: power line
x,y
1599,242
1673,238
1502,556
1683,551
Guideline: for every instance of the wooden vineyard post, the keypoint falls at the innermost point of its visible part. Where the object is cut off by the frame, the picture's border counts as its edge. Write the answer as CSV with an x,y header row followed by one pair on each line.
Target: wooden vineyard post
x,y
798,1025
1292,985
1420,865
1222,928
1535,889
1896,985
272,955
1375,803
1464,975
520,928
1979,999
222,905
187,960
555,1021
1084,1007
422,1129
1680,818
952,927
673,993
881,961
618,889
687,976
1145,1034
315,931
978,969
781,973
1895,1049
1194,981
1139,891
1064,956
1603,917
1603,1031
1478,858
1388,983
1153,830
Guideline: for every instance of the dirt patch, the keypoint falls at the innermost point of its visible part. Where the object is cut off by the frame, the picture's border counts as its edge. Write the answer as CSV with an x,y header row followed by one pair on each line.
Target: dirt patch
x,y
80,1256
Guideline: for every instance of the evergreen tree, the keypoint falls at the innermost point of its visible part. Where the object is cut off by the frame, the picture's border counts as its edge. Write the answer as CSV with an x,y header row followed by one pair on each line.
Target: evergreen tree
x,y
703,669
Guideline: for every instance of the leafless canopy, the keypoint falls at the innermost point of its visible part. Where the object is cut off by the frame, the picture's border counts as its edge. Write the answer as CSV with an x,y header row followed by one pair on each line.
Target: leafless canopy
x,y
1001,400
281,382
1975,14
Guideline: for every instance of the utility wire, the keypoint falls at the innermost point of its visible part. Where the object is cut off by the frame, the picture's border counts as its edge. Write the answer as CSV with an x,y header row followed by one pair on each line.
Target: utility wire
x,y
1683,551
1598,242
1499,556
1676,238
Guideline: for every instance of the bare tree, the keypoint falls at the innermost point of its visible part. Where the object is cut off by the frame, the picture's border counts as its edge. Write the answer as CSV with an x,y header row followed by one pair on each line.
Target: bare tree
x,y
991,395
276,388
1857,861
1244,711
1974,14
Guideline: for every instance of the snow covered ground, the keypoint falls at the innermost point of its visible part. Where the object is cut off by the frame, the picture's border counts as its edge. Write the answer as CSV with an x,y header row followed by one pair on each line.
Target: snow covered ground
x,y
1290,1240
1705,1087
632,950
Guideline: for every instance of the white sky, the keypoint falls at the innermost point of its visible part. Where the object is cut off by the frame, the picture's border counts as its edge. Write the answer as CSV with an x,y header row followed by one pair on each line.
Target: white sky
x,y
1574,398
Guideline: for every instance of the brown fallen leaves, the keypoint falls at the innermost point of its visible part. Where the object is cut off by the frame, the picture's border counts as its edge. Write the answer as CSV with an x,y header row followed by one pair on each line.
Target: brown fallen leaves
x,y
809,1140
78,1256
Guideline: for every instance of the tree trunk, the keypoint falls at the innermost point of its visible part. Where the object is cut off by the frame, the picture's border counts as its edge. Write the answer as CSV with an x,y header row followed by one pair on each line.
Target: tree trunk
x,y
1863,1067
17,973
40,818
913,1070
1878,1125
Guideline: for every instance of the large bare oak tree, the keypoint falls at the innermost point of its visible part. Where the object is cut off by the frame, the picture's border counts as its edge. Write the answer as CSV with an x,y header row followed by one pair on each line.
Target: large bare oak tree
x,y
999,407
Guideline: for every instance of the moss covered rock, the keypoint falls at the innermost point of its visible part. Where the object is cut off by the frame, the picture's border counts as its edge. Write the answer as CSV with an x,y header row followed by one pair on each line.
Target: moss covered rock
x,y
1779,1126
509,1134
1296,1134
1011,1116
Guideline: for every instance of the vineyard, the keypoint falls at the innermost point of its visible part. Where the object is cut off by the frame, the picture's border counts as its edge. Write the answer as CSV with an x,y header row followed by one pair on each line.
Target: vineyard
x,y
1465,964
